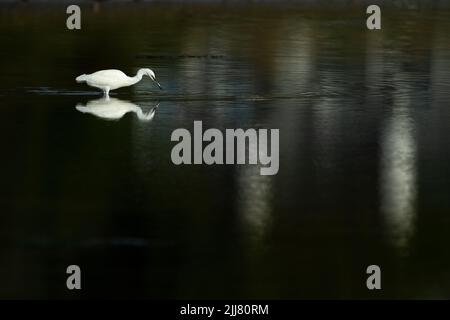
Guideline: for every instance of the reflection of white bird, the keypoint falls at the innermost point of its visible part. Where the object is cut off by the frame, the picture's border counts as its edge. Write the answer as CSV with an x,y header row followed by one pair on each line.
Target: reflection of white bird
x,y
107,80
113,109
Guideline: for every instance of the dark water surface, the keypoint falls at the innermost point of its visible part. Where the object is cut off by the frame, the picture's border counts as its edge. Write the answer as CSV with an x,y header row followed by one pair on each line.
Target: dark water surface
x,y
364,154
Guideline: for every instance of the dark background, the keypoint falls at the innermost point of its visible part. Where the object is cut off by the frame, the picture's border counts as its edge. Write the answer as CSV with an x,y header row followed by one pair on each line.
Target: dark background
x,y
364,161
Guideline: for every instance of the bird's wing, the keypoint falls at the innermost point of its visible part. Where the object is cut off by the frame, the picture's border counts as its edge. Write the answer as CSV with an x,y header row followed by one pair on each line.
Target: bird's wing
x,y
106,77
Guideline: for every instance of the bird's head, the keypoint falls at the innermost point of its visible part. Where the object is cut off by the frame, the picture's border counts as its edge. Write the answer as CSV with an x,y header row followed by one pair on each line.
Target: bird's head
x,y
151,75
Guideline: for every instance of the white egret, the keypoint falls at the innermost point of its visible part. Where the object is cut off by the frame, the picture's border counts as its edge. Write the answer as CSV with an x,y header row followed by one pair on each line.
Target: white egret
x,y
112,79
114,109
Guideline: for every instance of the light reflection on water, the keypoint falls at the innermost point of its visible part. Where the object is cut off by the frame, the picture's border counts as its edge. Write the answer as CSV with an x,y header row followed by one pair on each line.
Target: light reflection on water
x,y
399,173
254,192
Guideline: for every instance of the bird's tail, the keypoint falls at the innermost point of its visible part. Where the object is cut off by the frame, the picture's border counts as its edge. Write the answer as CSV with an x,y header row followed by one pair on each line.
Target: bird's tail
x,y
81,78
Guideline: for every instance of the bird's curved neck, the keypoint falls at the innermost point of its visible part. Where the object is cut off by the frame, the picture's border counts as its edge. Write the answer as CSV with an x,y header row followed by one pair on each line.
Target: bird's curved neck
x,y
137,77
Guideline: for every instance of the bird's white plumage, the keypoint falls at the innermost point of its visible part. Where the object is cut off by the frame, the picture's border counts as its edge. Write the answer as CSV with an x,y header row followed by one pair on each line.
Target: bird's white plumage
x,y
108,78
112,79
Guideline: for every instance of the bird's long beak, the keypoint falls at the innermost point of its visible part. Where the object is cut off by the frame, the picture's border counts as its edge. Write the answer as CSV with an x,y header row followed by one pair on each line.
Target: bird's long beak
x,y
157,83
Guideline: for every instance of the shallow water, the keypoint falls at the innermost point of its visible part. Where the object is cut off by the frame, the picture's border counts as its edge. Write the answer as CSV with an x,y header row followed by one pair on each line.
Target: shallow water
x,y
364,161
